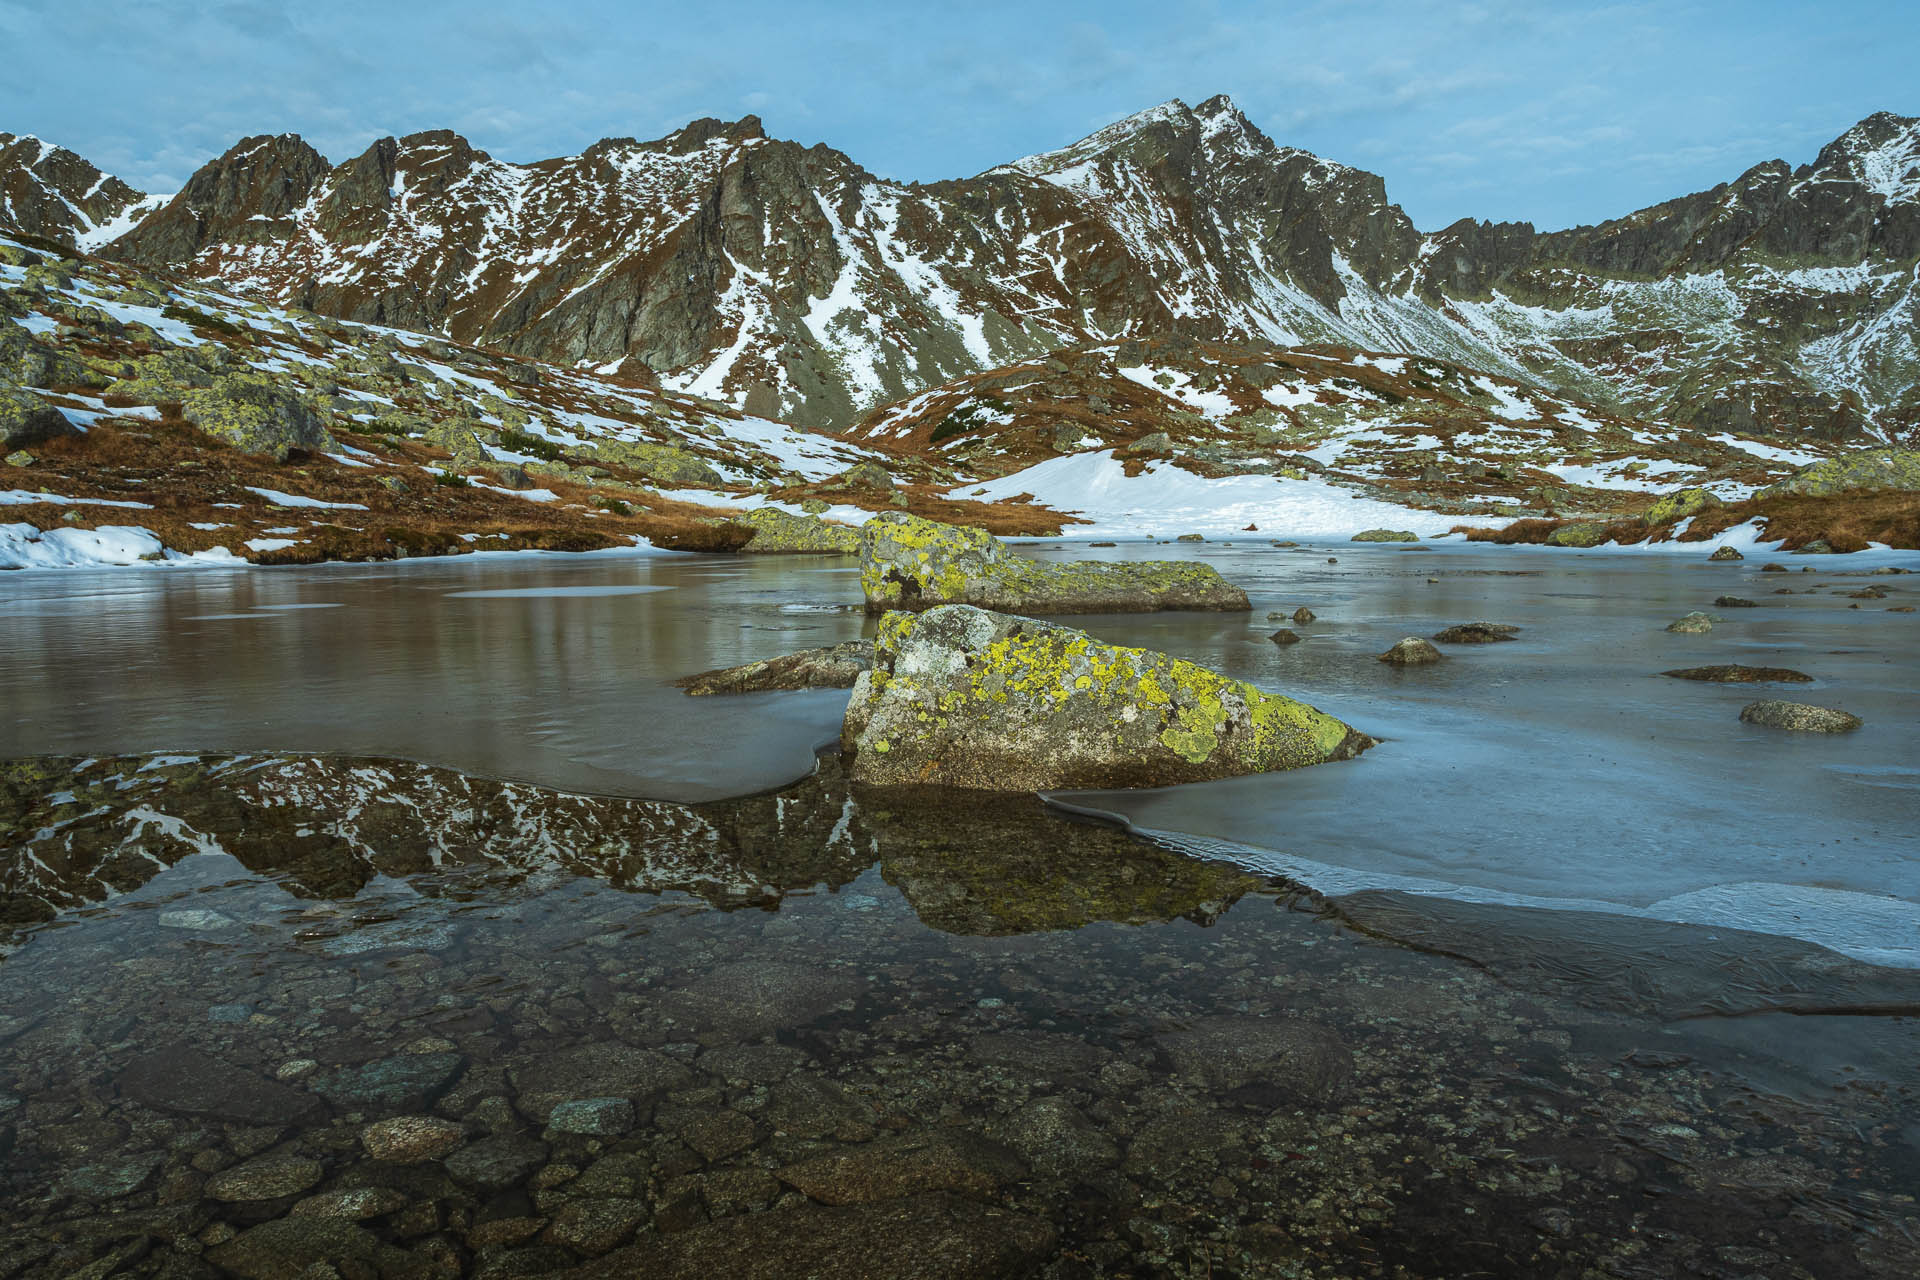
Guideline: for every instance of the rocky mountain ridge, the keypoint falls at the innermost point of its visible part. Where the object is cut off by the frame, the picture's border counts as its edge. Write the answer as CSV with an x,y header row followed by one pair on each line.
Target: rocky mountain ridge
x,y
792,283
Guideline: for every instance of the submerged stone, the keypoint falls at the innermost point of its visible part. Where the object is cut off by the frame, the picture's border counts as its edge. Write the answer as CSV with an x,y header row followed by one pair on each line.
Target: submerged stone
x,y
962,697
910,563
1694,624
267,1179
1799,716
185,1080
889,1168
410,1082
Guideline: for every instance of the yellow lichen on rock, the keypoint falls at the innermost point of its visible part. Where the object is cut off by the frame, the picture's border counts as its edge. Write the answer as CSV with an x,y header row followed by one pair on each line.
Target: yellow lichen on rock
x,y
963,697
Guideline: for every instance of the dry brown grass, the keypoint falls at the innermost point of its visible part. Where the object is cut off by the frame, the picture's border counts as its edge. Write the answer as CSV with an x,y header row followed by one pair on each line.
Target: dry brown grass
x,y
1846,522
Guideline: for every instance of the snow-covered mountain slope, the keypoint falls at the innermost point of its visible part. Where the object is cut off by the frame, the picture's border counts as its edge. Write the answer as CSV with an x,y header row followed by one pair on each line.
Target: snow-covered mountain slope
x,y
1411,429
200,427
791,283
50,192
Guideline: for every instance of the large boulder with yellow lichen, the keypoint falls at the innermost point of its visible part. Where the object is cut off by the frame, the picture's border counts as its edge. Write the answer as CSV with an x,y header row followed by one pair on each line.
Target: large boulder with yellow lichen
x,y
779,532
256,414
962,697
907,562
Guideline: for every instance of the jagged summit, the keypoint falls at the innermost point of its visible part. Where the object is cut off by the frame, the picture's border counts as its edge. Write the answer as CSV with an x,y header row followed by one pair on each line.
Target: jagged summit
x,y
789,281
49,191
1881,153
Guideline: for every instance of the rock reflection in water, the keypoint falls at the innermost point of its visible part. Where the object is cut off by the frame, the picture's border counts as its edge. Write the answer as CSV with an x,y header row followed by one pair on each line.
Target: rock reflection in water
x,y
455,1026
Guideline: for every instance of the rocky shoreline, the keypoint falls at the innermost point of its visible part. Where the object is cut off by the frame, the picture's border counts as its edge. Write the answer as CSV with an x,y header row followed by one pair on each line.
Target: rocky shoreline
x,y
427,1041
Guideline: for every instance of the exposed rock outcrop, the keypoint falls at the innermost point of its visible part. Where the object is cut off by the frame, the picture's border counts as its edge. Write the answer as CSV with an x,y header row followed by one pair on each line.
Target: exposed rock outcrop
x,y
962,697
834,667
910,563
255,413
1870,470
780,532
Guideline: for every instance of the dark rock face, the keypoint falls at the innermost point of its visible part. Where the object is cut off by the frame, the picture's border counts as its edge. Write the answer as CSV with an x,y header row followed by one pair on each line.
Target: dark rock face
x,y
243,199
50,192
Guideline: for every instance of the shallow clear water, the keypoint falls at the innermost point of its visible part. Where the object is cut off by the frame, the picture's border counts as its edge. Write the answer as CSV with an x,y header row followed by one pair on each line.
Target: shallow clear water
x,y
406,1022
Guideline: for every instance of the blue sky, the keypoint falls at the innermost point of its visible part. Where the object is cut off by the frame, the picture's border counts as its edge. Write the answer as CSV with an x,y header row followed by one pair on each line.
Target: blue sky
x,y
1554,113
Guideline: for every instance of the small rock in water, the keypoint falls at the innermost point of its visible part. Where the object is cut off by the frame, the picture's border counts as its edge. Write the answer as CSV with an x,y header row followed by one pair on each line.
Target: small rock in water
x,y
1385,535
1477,633
596,1117
1733,602
411,1139
353,1205
1733,673
268,1179
1284,636
1333,559
1190,537
1411,652
1799,716
1773,566
1867,593
405,1084
494,1164
1694,624
1726,553
1303,615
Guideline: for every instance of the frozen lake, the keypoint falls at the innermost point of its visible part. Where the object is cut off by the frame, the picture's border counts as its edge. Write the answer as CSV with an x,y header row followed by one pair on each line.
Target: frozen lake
x,y
1557,770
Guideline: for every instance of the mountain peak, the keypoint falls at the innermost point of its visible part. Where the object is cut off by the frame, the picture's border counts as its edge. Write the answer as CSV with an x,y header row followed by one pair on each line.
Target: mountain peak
x,y
1881,153
1217,114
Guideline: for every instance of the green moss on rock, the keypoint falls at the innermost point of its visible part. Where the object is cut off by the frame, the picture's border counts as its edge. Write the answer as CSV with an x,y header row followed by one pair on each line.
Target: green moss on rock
x,y
963,697
907,562
664,464
27,419
781,531
1888,468
1580,533
1679,505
